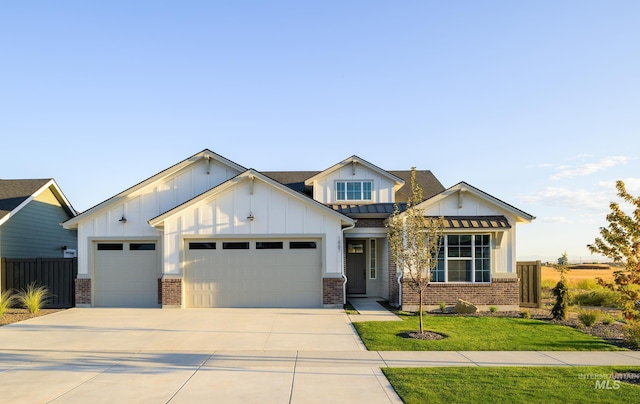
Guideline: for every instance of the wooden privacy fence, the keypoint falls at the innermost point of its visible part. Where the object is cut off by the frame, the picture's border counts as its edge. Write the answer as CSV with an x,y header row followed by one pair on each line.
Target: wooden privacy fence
x,y
530,275
56,274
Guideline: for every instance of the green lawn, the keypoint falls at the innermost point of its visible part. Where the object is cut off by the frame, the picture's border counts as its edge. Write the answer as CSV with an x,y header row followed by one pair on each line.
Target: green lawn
x,y
515,384
478,334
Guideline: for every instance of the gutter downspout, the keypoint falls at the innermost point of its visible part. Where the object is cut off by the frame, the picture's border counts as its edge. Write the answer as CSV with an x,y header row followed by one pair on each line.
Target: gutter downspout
x,y
342,263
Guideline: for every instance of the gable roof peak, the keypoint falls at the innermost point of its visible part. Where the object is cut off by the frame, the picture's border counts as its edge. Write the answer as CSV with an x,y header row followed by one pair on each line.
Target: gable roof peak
x,y
355,160
16,194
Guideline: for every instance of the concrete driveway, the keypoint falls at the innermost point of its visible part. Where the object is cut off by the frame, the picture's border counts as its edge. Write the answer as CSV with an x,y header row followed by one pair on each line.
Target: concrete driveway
x,y
194,355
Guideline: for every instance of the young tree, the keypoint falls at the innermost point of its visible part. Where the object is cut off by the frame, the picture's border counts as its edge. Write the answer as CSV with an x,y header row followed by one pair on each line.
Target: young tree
x,y
415,242
563,260
560,310
620,241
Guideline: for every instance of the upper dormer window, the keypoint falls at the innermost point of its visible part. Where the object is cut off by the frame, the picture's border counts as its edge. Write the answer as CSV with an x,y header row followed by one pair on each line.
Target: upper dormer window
x,y
354,190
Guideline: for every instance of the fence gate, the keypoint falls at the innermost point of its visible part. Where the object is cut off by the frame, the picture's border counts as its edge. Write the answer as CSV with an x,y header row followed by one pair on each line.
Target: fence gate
x,y
530,275
56,274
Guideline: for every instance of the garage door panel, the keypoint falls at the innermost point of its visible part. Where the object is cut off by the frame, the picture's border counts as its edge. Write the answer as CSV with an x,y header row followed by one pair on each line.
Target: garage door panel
x,y
253,278
125,277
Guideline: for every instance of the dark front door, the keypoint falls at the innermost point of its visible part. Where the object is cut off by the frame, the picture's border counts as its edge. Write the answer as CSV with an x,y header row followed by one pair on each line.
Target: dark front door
x,y
356,267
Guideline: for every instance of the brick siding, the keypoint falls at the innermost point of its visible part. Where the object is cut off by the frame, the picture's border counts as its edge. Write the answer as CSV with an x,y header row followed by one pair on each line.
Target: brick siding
x,y
370,222
170,292
393,282
83,291
332,291
500,292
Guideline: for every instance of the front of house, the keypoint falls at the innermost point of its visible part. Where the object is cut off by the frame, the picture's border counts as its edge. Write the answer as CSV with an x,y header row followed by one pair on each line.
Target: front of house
x,y
208,232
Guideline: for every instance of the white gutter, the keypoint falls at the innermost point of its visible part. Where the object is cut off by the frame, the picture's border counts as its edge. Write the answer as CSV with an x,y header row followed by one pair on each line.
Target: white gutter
x,y
342,262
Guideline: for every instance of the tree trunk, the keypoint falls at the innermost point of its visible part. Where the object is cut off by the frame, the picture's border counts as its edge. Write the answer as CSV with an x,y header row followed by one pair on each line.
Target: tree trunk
x,y
420,312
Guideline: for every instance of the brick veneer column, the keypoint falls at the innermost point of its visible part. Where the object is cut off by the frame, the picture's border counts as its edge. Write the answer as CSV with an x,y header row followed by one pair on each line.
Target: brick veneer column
x,y
83,291
393,282
170,292
332,291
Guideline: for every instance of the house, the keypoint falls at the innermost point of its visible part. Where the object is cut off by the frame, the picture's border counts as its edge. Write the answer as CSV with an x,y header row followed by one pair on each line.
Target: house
x,y
34,248
30,215
208,232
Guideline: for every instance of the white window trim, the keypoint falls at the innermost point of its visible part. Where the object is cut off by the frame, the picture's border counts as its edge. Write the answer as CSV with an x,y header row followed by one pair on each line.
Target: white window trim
x,y
472,259
373,259
361,191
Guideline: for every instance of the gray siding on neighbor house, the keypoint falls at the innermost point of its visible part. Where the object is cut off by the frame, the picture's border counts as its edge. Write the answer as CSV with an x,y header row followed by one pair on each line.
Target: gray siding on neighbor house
x,y
35,231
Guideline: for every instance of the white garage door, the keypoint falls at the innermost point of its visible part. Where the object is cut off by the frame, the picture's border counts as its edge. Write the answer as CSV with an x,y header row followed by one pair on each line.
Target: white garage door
x,y
253,273
125,274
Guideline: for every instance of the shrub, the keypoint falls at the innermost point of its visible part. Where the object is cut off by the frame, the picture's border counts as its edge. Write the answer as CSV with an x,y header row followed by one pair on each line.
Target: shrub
x,y
561,292
525,314
33,297
608,319
598,297
443,306
632,331
6,300
587,284
588,317
493,309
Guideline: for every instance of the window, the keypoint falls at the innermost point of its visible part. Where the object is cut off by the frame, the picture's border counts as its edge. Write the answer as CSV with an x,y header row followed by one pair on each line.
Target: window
x,y
302,245
372,259
464,258
110,247
355,248
269,245
142,247
202,246
354,190
236,245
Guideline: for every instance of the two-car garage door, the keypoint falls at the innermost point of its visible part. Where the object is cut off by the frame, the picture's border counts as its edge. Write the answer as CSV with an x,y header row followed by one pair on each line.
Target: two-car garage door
x,y
253,273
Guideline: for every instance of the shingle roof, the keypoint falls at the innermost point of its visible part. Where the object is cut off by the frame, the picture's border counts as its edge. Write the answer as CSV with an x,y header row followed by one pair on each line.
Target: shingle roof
x,y
427,181
425,178
14,192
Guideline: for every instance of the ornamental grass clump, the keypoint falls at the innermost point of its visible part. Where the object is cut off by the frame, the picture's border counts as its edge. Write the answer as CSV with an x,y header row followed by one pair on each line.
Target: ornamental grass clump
x,y
6,301
33,297
588,317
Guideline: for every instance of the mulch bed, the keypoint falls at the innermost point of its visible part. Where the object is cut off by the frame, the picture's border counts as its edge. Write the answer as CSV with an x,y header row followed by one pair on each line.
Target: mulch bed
x,y
15,315
426,336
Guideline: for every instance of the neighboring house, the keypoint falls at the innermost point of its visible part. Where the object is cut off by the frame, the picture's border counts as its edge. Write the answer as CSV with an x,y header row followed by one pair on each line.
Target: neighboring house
x,y
208,232
30,215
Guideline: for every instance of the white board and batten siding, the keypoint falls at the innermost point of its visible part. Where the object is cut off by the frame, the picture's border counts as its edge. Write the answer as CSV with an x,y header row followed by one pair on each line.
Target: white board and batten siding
x,y
503,253
144,203
324,188
276,214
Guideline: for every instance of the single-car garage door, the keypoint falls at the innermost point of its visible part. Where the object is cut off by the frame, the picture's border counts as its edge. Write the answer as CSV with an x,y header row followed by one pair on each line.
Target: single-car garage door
x,y
253,273
125,274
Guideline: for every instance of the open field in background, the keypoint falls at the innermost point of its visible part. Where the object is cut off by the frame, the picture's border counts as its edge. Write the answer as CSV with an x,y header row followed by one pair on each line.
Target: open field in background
x,y
577,275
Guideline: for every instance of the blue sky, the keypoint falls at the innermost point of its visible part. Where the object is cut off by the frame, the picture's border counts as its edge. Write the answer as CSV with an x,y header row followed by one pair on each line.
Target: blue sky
x,y
536,103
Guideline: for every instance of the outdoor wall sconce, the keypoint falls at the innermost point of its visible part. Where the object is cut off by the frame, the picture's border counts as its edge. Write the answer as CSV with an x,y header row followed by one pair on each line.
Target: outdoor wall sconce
x,y
250,217
123,219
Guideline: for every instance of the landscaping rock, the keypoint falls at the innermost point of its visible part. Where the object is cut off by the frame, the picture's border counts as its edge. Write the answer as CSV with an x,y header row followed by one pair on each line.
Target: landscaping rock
x,y
464,307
